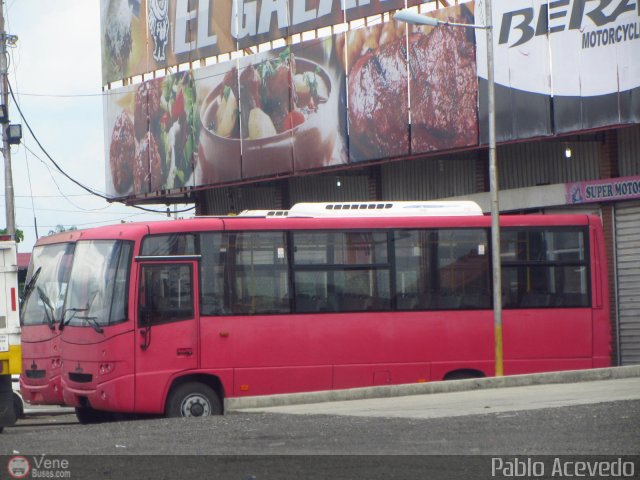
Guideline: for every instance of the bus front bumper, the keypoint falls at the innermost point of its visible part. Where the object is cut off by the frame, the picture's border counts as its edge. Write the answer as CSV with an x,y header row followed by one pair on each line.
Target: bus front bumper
x,y
46,393
115,395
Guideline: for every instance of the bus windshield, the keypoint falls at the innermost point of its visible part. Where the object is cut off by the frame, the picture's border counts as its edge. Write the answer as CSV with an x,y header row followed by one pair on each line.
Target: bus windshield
x,y
98,283
49,270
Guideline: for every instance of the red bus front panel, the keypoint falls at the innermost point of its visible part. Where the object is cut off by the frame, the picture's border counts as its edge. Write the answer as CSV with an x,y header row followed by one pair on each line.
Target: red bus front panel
x,y
41,313
98,368
41,366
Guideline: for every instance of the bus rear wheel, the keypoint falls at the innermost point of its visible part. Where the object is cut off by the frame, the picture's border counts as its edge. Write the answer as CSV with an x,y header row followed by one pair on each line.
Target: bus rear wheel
x,y
193,399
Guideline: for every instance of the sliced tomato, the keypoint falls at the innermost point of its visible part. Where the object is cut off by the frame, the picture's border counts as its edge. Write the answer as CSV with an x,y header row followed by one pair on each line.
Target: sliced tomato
x,y
177,109
165,121
294,118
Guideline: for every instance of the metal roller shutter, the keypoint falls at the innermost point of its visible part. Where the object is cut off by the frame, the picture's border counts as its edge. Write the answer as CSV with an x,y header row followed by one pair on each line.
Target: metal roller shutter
x,y
628,280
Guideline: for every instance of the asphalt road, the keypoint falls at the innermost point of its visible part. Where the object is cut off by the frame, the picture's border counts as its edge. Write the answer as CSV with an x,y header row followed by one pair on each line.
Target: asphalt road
x,y
590,419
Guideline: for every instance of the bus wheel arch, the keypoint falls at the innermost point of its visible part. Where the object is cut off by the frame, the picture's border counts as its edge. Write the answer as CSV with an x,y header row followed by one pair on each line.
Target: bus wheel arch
x,y
464,374
195,395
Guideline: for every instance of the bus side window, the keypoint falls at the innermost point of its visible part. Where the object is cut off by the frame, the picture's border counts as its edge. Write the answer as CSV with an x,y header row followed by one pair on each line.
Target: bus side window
x,y
545,267
166,293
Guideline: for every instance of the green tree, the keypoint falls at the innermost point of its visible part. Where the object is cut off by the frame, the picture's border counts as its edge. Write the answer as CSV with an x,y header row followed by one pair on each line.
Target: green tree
x,y
62,228
19,234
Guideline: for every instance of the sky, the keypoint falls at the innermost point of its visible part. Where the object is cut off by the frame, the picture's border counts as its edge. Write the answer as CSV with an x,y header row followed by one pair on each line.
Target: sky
x,y
55,72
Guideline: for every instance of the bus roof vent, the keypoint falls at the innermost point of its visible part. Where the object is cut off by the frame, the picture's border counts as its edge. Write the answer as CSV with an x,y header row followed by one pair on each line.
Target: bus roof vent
x,y
386,209
264,213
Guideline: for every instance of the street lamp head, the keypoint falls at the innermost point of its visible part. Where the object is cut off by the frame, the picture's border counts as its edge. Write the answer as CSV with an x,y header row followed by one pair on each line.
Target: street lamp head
x,y
14,134
415,18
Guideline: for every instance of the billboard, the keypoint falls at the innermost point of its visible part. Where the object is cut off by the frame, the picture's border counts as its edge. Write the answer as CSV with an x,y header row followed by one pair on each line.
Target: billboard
x,y
562,66
141,36
384,91
316,104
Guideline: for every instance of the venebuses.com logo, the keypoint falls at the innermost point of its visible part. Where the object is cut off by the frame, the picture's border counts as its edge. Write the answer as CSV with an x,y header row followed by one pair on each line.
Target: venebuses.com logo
x,y
18,467
39,467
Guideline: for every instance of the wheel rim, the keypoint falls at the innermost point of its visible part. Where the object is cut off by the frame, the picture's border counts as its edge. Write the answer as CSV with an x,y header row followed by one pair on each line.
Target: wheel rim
x,y
195,405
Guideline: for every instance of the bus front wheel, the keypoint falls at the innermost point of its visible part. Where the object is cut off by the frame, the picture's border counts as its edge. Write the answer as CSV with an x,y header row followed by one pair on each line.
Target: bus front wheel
x,y
88,416
193,399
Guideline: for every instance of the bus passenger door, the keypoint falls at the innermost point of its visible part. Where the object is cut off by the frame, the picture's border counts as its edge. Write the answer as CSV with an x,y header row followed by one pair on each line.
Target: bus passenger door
x,y
167,329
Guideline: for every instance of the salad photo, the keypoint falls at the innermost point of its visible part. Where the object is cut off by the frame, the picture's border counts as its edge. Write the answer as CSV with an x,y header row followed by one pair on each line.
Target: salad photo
x,y
154,136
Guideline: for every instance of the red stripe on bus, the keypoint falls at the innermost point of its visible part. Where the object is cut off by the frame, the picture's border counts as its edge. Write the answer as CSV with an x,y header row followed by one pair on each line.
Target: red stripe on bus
x,y
13,299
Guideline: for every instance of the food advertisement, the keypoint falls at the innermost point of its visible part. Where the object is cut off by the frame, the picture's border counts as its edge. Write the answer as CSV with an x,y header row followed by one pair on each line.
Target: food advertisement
x,y
308,106
270,114
443,83
259,116
376,66
142,36
124,38
438,73
152,135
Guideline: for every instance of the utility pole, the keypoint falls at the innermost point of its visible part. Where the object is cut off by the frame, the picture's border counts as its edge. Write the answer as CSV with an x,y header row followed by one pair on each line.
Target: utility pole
x,y
6,148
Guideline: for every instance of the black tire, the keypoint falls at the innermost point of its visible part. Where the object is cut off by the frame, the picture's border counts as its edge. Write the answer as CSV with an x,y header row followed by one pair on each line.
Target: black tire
x,y
18,406
88,416
193,399
463,375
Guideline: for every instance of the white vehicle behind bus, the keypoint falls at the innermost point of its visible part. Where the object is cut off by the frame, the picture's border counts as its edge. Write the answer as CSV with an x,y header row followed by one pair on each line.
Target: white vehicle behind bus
x,y
10,350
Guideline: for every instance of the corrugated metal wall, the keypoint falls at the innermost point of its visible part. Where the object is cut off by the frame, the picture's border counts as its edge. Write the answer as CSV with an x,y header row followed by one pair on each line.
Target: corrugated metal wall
x,y
324,188
629,151
628,280
519,165
221,201
429,178
544,163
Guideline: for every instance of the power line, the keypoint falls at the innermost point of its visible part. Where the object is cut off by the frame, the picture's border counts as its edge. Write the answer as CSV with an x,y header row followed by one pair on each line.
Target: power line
x,y
54,181
81,185
76,211
84,187
60,95
51,196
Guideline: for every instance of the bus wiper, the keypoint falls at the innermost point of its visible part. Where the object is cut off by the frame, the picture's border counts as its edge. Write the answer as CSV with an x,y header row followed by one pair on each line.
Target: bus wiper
x,y
90,320
93,323
66,322
48,308
30,284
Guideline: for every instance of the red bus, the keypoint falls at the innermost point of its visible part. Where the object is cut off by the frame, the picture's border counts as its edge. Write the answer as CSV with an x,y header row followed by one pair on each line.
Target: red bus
x,y
173,317
41,313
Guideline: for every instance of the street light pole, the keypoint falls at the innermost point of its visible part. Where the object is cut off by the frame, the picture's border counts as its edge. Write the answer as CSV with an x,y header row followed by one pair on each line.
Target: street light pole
x,y
495,205
6,148
410,16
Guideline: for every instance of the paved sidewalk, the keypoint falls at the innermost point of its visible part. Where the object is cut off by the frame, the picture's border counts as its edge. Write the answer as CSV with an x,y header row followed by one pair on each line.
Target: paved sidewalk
x,y
489,383
476,402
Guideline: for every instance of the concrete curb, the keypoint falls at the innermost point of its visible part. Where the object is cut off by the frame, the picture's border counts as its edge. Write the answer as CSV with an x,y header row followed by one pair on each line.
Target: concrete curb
x,y
570,376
